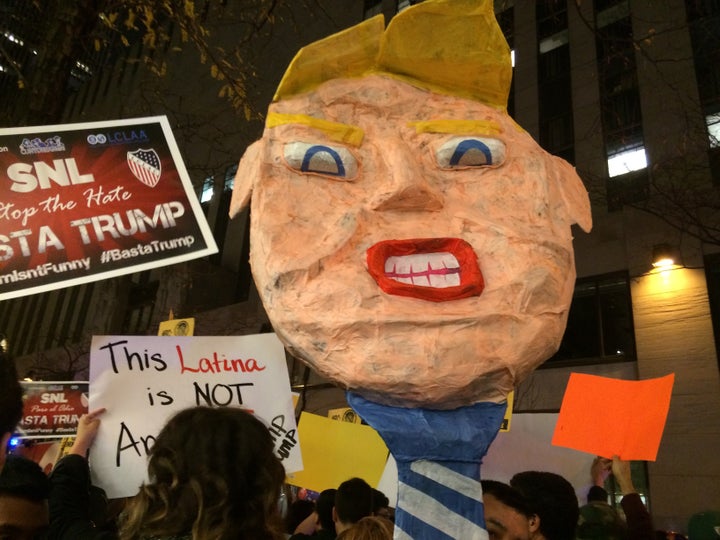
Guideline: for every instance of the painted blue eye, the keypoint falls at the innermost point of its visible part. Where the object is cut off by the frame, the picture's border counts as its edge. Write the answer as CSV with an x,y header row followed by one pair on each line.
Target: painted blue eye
x,y
464,152
321,159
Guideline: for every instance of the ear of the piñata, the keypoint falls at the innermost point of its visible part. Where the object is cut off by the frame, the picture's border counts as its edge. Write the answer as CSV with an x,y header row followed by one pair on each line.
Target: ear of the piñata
x,y
248,171
574,195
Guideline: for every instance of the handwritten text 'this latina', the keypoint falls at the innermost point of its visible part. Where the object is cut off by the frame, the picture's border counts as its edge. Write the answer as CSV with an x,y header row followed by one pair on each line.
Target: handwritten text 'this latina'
x,y
124,359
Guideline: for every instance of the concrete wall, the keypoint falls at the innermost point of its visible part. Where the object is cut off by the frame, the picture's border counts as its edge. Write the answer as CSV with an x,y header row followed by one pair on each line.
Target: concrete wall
x,y
673,332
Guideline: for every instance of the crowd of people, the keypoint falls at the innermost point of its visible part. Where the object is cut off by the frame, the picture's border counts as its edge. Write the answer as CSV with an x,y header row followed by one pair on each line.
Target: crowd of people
x,y
354,510
213,474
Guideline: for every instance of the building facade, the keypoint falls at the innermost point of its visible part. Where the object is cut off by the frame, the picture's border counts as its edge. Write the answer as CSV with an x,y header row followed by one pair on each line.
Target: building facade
x,y
628,92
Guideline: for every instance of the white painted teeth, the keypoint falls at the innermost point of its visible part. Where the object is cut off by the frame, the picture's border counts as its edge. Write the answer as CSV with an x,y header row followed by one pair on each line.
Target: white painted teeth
x,y
438,270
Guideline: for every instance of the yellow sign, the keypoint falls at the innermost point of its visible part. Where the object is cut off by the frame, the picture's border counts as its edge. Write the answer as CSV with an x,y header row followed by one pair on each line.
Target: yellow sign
x,y
345,414
177,327
334,451
508,413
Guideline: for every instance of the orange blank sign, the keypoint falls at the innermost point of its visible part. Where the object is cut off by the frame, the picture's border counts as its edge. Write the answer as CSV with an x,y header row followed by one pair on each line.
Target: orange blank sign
x,y
610,417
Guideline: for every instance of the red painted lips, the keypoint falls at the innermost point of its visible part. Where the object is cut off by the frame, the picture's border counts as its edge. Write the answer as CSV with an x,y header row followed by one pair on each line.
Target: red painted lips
x,y
435,269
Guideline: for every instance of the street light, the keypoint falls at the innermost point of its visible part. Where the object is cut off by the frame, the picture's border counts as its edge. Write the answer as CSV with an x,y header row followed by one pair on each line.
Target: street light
x,y
663,256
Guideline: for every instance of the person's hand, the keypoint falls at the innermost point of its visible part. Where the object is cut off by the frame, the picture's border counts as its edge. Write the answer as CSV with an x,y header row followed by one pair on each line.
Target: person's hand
x,y
88,426
600,470
622,474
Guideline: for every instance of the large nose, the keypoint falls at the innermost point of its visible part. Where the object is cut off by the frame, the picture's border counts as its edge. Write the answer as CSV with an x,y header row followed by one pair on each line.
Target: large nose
x,y
407,188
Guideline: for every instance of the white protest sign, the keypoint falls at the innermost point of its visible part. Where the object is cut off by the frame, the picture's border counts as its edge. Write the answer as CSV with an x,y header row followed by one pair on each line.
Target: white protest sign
x,y
143,380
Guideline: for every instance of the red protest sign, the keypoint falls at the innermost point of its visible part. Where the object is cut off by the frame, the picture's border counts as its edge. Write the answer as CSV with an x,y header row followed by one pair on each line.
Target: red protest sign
x,y
83,202
52,409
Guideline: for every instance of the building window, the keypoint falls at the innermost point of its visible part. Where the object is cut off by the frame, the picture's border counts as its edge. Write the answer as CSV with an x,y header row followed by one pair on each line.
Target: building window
x,y
372,8
714,158
230,177
208,189
506,21
554,81
551,17
553,42
600,327
621,113
704,22
403,4
141,295
627,161
712,276
713,127
609,12
221,219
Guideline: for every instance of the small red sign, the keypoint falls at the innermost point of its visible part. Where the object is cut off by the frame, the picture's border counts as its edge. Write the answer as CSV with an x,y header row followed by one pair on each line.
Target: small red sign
x,y
52,409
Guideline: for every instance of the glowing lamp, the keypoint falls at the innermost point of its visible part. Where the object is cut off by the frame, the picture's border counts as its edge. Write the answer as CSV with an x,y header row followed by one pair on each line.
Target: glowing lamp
x,y
663,257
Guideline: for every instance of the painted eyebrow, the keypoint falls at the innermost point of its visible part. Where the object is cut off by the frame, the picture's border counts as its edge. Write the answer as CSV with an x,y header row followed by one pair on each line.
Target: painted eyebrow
x,y
336,131
458,127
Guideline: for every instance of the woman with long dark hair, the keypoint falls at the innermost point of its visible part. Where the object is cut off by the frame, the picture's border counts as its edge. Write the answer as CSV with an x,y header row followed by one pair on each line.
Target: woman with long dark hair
x,y
213,475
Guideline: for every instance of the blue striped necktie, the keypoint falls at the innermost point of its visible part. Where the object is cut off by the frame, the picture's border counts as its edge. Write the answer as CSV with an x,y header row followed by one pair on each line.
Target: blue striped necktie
x,y
438,455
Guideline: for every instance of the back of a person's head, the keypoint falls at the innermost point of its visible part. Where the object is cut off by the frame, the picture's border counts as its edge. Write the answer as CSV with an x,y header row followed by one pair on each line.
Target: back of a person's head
x,y
600,522
507,495
10,396
297,512
369,528
324,507
597,494
212,472
381,506
553,499
23,478
353,500
24,492
380,500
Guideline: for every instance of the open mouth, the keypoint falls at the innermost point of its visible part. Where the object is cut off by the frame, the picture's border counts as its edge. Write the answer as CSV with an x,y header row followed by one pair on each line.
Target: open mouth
x,y
435,269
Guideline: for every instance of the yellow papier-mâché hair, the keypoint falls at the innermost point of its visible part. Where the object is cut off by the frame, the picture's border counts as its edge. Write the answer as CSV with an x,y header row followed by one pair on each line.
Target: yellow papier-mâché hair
x,y
447,46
